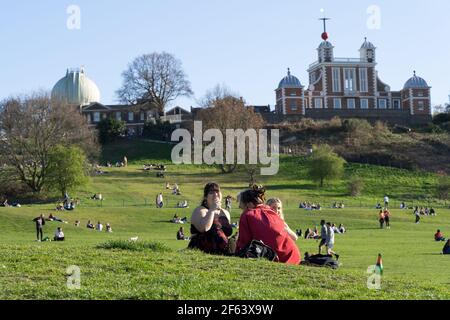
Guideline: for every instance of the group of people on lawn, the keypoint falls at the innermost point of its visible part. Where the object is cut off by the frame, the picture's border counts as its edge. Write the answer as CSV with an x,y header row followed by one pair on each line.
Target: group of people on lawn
x,y
313,234
310,206
59,234
262,221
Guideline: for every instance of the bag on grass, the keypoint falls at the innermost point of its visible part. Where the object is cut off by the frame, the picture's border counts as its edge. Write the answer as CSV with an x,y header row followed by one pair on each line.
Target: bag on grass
x,y
321,261
258,250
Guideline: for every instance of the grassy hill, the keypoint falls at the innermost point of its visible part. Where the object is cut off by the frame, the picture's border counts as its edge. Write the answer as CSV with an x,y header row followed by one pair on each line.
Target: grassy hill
x,y
425,147
414,269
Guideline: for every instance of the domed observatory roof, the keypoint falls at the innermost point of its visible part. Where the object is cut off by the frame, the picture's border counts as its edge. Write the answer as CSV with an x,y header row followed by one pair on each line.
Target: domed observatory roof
x,y
367,45
290,81
416,83
326,45
76,88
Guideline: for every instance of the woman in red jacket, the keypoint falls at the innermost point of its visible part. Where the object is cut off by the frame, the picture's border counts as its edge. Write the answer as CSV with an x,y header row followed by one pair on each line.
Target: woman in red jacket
x,y
260,222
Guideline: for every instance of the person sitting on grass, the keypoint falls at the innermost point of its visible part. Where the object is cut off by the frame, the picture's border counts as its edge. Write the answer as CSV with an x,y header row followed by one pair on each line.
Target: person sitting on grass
x,y
432,212
77,223
277,206
335,229
5,204
259,222
159,201
176,190
439,236
210,223
99,226
342,228
180,234
314,235
60,207
446,249
90,225
59,235
69,206
98,197
108,228
183,204
307,233
311,234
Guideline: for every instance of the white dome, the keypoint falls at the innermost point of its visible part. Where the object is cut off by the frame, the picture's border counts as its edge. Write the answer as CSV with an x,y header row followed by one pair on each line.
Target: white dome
x,y
77,89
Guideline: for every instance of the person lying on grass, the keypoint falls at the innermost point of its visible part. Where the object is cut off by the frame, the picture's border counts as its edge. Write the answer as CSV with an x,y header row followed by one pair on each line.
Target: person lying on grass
x,y
210,223
51,217
259,222
90,225
276,205
178,220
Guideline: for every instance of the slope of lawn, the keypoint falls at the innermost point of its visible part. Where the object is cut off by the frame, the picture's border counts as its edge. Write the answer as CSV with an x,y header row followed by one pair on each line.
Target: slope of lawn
x,y
413,267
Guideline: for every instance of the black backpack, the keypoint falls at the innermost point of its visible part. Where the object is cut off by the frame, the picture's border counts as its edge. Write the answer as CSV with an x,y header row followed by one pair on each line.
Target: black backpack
x,y
258,250
321,261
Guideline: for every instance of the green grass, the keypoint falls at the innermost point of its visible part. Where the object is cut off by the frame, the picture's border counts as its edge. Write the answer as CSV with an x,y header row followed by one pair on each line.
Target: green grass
x,y
159,267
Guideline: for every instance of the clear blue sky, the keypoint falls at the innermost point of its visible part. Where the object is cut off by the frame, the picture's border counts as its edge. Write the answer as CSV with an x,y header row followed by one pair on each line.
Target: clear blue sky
x,y
245,44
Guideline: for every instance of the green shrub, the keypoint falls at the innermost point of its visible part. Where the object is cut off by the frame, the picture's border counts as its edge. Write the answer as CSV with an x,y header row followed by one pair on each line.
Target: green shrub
x,y
355,186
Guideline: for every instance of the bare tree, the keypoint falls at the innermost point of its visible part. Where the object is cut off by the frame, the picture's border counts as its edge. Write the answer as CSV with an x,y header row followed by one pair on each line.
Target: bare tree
x,y
219,92
224,110
31,127
157,77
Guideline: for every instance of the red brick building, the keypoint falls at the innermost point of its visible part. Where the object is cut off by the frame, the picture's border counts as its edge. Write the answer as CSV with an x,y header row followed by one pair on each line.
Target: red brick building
x,y
351,87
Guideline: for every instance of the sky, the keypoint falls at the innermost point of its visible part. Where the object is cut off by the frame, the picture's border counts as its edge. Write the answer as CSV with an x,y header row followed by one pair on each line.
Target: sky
x,y
246,45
